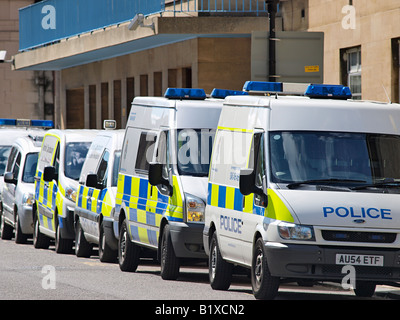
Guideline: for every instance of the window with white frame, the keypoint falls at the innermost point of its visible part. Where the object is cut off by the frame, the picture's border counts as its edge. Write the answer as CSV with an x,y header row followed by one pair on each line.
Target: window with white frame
x,y
353,57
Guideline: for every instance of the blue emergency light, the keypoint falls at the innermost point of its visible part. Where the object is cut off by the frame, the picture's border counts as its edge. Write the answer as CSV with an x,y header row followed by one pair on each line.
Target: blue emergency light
x,y
185,93
331,91
263,86
27,123
222,93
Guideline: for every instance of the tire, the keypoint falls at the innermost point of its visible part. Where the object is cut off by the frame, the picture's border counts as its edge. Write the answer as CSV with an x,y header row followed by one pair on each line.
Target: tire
x,y
128,252
6,230
264,285
40,241
365,289
83,249
220,271
169,261
106,254
62,245
19,236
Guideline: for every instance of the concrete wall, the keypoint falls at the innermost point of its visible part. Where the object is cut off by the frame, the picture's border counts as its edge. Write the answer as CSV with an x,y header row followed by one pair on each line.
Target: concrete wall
x,y
376,24
209,62
23,94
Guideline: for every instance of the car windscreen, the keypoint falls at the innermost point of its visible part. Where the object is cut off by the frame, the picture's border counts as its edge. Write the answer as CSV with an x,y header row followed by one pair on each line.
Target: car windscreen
x,y
75,154
362,158
30,167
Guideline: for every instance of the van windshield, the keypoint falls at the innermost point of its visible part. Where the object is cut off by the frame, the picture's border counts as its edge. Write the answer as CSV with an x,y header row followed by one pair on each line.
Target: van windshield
x,y
345,158
194,151
75,154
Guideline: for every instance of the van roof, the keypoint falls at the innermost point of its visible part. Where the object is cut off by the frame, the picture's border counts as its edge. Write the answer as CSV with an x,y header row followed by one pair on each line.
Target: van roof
x,y
74,135
302,113
194,114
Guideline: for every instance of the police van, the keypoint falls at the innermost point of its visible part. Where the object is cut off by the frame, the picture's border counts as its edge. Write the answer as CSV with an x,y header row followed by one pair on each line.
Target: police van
x,y
162,182
18,190
95,200
10,130
56,182
302,186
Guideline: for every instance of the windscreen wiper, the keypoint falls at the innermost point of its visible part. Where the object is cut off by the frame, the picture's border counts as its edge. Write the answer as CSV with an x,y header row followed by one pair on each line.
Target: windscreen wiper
x,y
387,183
323,181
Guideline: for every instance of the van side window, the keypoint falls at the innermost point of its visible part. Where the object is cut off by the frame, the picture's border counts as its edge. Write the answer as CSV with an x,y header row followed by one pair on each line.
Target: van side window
x,y
257,163
17,165
11,159
56,162
145,152
103,169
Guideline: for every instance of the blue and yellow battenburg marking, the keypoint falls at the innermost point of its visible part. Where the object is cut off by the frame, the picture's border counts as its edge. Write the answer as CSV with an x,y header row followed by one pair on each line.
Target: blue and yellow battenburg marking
x,y
231,198
101,203
46,196
146,206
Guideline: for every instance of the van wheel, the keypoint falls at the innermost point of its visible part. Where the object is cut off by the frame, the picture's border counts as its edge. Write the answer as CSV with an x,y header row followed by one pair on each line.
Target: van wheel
x,y
106,254
365,289
264,285
128,252
83,248
62,245
220,271
19,236
6,229
40,241
169,261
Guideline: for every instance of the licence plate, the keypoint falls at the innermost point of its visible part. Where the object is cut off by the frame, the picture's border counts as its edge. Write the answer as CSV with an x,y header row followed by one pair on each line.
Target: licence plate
x,y
359,259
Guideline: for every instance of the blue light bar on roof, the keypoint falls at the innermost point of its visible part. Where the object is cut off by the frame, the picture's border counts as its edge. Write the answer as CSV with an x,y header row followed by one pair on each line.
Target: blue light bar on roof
x,y
331,91
42,123
262,86
185,93
27,123
222,93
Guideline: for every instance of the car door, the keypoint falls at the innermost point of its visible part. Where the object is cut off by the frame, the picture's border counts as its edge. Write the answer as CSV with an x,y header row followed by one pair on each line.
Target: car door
x,y
8,194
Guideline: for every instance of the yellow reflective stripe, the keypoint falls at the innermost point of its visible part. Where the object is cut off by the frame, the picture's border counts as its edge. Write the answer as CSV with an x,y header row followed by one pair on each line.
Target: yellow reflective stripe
x,y
214,195
248,203
230,198
235,129
276,208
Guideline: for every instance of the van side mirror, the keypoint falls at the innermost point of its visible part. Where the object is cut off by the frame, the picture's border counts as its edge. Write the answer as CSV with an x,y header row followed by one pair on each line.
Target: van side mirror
x,y
50,174
91,181
247,184
9,178
156,178
246,181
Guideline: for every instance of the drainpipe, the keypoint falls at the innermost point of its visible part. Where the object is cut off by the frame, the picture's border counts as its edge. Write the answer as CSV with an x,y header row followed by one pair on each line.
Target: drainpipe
x,y
272,6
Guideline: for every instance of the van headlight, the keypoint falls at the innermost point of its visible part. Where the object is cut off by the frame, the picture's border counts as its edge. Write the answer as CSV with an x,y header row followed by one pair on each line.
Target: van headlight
x,y
70,194
291,231
27,199
194,208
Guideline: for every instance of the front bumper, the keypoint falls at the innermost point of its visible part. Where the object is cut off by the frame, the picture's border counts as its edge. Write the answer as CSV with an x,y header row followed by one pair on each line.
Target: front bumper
x,y
319,262
187,239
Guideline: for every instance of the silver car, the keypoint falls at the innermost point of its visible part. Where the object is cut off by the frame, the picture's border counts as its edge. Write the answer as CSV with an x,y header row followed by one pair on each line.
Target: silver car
x,y
18,190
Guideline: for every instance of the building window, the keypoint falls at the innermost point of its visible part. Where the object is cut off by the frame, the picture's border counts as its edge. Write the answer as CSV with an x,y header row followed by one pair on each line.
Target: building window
x,y
351,70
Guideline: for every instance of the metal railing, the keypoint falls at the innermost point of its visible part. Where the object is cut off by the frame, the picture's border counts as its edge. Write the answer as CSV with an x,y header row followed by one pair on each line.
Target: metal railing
x,y
50,21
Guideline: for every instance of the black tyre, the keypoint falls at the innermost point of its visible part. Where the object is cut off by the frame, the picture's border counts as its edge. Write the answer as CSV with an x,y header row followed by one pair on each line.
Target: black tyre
x,y
62,245
220,271
19,236
169,261
264,285
83,248
106,254
6,230
365,289
128,252
40,241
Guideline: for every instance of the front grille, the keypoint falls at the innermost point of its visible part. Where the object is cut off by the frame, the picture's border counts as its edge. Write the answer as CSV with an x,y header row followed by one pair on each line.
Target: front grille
x,y
355,236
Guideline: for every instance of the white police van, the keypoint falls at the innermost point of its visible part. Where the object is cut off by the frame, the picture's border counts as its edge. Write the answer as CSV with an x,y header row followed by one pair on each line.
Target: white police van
x,y
18,190
162,182
56,182
95,200
301,186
